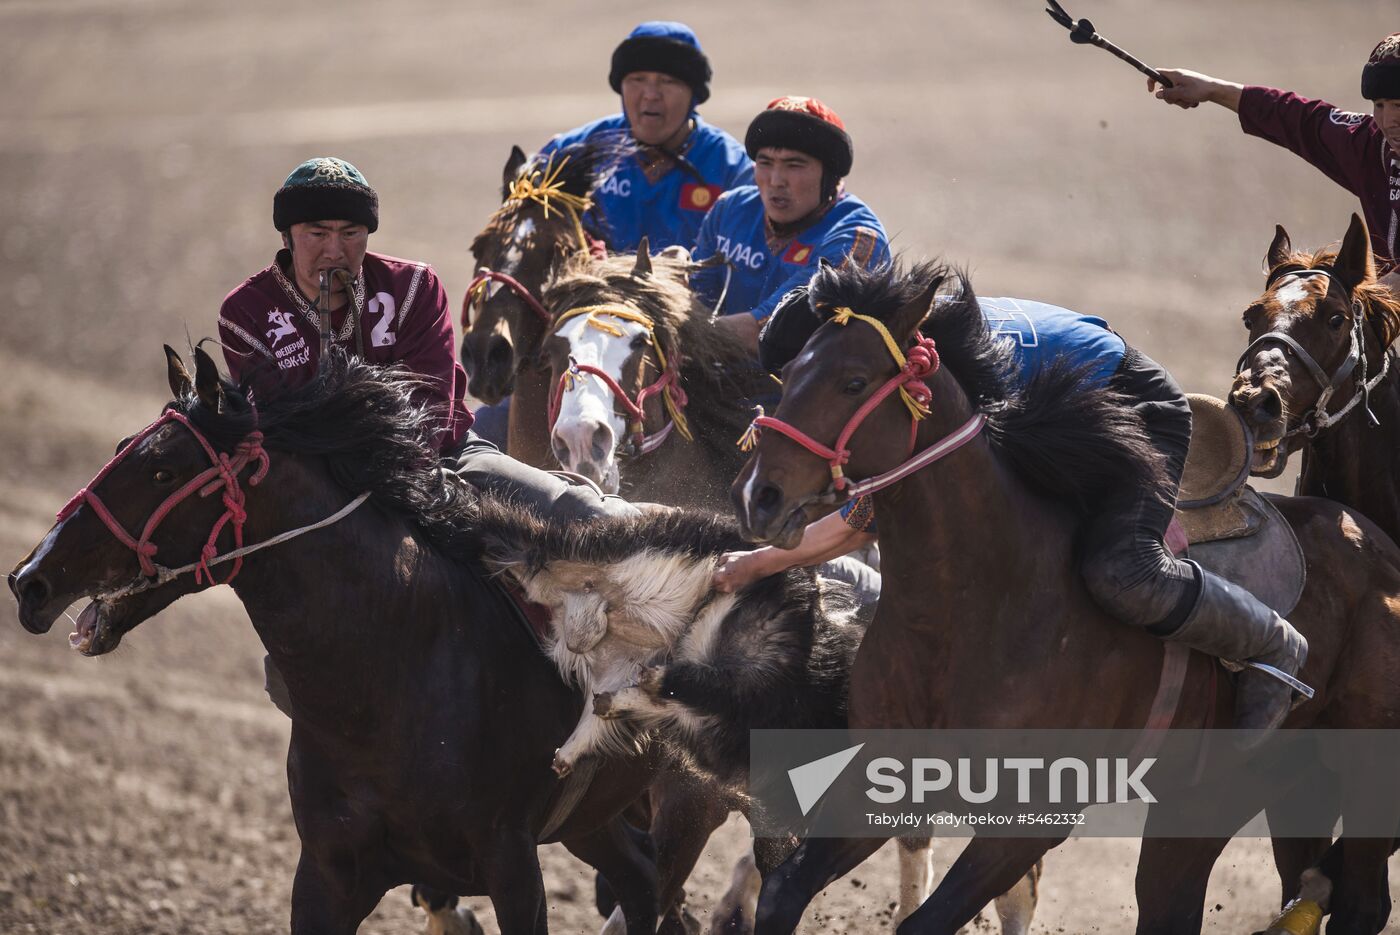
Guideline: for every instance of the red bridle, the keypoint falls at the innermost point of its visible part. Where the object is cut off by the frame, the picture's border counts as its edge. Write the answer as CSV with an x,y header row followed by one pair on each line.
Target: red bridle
x,y
476,292
223,473
919,362
668,384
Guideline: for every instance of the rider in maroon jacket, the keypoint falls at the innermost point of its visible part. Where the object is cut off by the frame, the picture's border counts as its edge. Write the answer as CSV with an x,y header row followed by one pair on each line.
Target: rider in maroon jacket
x,y
1359,152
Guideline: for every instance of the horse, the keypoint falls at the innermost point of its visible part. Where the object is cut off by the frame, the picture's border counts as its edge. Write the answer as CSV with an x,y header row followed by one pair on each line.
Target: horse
x,y
423,714
1318,379
648,395
541,221
993,477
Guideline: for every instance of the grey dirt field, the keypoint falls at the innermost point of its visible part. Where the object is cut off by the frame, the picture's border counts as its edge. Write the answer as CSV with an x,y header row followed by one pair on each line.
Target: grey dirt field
x,y
141,142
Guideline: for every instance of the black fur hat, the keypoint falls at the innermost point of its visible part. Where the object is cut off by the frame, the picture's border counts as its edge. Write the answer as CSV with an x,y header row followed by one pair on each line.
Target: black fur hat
x,y
670,48
806,125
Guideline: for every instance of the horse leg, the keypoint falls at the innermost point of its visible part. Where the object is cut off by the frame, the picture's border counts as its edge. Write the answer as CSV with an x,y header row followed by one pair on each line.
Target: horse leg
x,y
1016,907
815,864
734,913
987,868
613,852
915,875
1357,866
685,814
1294,855
515,884
326,903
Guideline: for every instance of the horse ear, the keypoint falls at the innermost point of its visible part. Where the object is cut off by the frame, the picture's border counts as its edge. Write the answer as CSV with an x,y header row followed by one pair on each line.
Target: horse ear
x,y
180,383
1354,261
513,164
908,319
823,263
206,380
1280,249
642,270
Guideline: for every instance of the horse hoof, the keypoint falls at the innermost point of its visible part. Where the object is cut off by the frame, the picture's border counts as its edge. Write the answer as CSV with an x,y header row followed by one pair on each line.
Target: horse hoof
x,y
602,704
562,767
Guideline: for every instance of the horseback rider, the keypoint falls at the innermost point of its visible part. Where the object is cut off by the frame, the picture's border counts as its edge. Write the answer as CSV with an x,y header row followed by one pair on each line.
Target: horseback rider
x,y
673,165
392,312
773,232
1124,561
1361,153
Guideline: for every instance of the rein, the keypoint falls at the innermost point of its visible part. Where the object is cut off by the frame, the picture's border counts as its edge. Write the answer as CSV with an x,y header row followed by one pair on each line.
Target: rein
x,y
223,473
1317,417
481,283
920,362
668,384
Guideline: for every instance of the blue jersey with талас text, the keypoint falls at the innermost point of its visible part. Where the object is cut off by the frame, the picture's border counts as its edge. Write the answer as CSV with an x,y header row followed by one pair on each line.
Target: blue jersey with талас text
x,y
667,211
761,273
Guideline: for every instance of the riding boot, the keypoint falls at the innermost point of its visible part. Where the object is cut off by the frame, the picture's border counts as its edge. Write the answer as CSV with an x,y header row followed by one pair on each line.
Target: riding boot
x,y
1230,623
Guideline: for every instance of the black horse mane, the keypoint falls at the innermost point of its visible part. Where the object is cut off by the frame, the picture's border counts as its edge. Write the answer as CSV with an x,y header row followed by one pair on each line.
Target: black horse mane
x,y
361,418
1065,436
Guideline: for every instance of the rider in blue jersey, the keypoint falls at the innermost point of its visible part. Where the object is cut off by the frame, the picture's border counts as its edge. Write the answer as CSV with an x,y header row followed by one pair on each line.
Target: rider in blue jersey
x,y
671,165
1125,563
772,234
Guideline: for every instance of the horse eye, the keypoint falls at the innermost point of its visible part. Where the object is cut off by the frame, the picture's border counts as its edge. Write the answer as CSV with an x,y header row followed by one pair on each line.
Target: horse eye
x,y
163,476
588,587
639,341
857,385
1337,321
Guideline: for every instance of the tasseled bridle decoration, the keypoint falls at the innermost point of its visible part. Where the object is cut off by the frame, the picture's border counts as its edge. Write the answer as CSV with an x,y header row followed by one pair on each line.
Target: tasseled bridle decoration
x,y
915,365
668,384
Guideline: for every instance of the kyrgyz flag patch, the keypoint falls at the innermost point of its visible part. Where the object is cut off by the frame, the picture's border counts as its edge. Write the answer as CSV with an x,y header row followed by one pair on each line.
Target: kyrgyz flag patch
x,y
798,253
697,197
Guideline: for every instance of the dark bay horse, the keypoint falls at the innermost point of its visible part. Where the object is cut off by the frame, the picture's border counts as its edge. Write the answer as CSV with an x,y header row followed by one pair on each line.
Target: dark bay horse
x,y
424,716
1324,324
541,222
984,621
649,396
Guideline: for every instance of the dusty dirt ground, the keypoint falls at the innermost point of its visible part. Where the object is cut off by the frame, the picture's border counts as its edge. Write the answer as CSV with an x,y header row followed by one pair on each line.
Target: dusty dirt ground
x,y
141,141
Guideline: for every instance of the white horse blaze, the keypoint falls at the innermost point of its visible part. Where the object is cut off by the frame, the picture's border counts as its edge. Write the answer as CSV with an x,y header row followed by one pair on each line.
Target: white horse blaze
x,y
590,405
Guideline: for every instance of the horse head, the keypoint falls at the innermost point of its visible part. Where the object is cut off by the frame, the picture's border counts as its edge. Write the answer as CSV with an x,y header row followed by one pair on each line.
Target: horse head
x,y
111,540
614,359
1318,333
540,223
843,412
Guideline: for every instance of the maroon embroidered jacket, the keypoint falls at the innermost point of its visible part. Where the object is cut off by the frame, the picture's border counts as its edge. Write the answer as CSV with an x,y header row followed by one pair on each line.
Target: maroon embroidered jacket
x,y
1349,148
271,333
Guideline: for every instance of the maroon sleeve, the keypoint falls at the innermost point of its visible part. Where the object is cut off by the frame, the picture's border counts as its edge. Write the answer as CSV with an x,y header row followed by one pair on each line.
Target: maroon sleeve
x,y
425,346
1330,139
244,351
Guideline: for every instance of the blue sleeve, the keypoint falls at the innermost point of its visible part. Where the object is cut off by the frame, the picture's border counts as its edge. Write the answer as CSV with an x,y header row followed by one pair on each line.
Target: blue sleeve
x,y
835,248
707,283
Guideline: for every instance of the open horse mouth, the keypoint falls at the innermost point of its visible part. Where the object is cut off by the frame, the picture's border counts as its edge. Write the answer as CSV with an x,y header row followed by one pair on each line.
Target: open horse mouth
x,y
1269,458
95,631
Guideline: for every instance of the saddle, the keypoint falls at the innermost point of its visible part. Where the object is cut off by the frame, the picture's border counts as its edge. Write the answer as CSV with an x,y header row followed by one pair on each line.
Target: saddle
x,y
1222,522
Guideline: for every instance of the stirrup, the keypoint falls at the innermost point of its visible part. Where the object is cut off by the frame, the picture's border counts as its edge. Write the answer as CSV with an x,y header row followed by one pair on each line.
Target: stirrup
x,y
1291,681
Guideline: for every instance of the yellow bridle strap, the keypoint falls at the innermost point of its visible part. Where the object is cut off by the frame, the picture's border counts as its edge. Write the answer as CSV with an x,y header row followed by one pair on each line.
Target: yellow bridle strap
x,y
541,187
624,313
843,315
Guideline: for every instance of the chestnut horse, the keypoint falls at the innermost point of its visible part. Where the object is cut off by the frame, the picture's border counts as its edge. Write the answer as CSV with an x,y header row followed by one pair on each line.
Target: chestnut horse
x,y
1324,325
424,716
955,644
541,222
649,395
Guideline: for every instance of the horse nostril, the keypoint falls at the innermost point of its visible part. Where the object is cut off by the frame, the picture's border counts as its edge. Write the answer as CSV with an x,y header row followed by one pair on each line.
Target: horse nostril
x,y
1270,405
767,497
498,352
602,443
30,589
